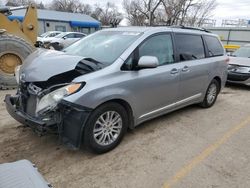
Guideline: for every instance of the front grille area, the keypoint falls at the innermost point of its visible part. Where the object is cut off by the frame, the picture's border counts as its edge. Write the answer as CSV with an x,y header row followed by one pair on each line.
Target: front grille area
x,y
238,77
28,101
31,105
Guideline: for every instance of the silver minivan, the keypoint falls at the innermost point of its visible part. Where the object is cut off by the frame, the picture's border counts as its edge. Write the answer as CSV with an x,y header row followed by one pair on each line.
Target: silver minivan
x,y
93,91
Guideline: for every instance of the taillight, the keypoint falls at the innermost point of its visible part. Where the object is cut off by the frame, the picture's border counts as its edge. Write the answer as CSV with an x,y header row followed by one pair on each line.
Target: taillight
x,y
227,60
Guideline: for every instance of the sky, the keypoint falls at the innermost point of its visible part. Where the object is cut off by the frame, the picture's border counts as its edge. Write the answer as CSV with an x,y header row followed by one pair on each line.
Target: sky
x,y
226,9
232,9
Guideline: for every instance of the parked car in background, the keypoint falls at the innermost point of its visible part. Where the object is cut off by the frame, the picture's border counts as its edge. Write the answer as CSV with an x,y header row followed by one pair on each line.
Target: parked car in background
x,y
239,66
47,36
93,91
63,40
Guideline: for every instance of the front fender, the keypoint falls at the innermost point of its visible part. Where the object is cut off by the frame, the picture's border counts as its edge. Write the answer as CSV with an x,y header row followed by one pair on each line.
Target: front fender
x,y
94,98
97,97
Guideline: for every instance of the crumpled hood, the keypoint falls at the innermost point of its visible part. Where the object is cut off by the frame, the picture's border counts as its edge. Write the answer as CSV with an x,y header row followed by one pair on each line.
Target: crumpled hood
x,y
243,61
43,64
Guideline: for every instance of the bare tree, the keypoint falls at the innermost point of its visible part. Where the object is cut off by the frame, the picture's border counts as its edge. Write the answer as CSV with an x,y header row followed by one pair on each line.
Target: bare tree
x,y
65,5
142,9
75,6
25,2
134,16
85,9
176,10
19,2
200,12
148,8
188,12
106,13
41,5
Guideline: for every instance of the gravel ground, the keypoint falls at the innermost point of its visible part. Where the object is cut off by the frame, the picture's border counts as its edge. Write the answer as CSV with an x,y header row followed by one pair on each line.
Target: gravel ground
x,y
150,155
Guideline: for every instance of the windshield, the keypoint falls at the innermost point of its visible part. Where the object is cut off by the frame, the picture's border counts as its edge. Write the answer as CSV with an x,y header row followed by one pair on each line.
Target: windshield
x,y
242,52
103,46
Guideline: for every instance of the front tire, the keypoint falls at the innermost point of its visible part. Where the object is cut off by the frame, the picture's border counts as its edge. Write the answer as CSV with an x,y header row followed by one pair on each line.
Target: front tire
x,y
105,127
211,94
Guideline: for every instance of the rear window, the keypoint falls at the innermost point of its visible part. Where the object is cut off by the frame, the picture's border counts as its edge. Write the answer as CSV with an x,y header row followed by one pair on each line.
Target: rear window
x,y
190,47
214,46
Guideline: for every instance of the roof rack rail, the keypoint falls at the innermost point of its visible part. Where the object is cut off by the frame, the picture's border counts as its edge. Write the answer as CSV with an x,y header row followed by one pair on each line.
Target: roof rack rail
x,y
193,28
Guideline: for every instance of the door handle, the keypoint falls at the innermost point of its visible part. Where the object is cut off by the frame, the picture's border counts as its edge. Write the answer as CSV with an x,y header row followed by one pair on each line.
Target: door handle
x,y
174,71
185,69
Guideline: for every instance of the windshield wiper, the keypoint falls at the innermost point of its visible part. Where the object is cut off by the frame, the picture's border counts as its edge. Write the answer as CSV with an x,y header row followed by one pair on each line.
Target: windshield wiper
x,y
87,65
93,60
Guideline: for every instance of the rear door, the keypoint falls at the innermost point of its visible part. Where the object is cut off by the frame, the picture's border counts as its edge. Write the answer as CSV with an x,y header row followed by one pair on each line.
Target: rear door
x,y
193,65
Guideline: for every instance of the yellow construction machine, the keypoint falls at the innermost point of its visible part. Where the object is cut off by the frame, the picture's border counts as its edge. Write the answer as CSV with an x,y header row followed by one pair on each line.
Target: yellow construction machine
x,y
17,41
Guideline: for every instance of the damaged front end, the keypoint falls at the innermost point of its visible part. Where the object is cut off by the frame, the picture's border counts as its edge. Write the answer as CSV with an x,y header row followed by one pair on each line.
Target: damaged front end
x,y
41,105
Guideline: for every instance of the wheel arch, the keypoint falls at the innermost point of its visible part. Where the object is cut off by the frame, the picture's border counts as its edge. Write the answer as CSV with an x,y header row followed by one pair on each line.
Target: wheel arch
x,y
218,79
127,107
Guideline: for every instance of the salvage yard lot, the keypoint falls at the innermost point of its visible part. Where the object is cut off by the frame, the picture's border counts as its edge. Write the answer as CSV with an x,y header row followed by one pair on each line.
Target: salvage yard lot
x,y
192,147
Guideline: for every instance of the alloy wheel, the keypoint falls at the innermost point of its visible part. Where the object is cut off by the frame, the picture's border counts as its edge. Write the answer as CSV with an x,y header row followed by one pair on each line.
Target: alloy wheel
x,y
107,128
211,94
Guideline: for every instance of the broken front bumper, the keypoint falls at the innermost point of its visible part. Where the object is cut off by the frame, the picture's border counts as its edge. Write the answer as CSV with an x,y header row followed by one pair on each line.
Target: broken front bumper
x,y
69,126
10,103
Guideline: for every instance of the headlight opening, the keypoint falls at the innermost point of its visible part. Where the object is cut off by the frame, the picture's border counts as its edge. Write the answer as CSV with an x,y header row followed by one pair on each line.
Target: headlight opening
x,y
51,100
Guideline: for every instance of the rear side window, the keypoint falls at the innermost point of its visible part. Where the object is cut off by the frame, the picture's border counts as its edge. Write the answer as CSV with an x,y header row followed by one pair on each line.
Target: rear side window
x,y
214,46
190,47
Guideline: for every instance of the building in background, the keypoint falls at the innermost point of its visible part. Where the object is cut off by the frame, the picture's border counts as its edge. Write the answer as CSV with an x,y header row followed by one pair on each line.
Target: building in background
x,y
232,35
50,20
231,32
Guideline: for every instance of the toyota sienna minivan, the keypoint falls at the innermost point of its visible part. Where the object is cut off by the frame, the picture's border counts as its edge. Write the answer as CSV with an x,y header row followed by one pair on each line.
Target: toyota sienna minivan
x,y
115,79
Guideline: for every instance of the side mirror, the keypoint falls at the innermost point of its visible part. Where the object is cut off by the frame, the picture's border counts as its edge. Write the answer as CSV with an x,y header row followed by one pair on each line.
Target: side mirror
x,y
64,37
148,62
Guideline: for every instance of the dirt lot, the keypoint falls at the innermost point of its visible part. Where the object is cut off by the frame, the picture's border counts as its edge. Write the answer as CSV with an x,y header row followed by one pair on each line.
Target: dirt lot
x,y
192,147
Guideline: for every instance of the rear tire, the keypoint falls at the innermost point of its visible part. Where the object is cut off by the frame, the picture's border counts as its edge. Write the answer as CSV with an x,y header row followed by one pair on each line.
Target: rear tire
x,y
211,94
16,47
100,134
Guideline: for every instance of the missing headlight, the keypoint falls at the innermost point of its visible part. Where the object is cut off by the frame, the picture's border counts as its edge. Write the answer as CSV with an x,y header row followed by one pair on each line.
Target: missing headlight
x,y
50,100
